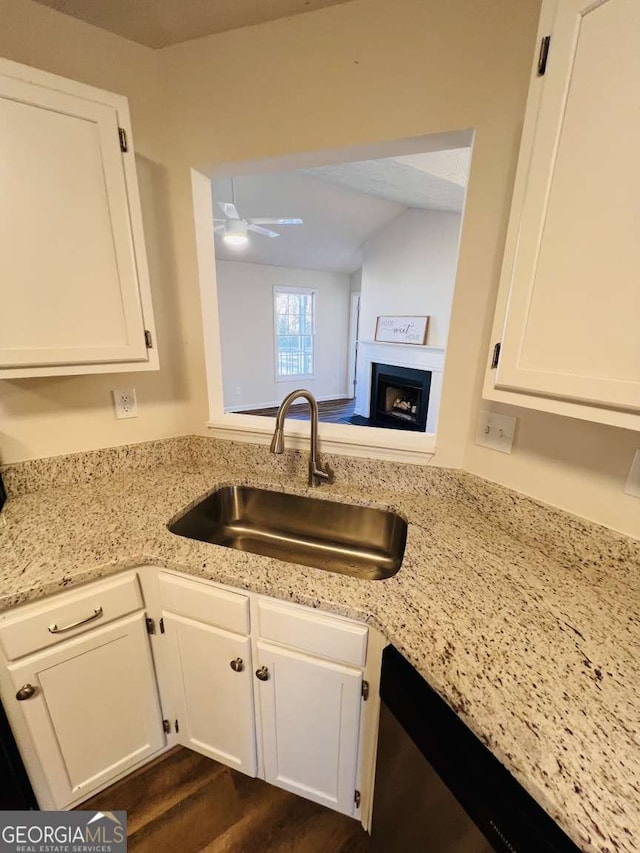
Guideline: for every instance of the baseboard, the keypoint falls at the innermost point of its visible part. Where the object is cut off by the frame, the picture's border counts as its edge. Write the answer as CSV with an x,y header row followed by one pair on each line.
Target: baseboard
x,y
325,398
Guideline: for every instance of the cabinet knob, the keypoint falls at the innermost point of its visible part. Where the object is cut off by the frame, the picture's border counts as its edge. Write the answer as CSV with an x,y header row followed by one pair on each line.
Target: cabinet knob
x,y
26,692
237,665
262,674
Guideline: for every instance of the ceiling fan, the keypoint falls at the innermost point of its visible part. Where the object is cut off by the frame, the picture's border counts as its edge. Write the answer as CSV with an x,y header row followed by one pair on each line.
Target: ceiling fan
x,y
234,228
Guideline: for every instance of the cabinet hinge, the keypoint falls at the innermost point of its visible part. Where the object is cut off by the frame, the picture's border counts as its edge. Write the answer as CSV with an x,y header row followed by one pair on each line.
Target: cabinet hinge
x,y
148,340
543,55
365,690
166,727
151,625
122,134
356,799
162,626
496,356
176,726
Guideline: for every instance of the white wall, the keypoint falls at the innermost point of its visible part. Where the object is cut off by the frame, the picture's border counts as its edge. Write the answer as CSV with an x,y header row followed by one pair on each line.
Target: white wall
x,y
365,71
409,267
396,70
245,303
399,70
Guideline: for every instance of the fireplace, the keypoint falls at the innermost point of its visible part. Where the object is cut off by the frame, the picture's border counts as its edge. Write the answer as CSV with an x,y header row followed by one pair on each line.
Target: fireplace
x,y
399,397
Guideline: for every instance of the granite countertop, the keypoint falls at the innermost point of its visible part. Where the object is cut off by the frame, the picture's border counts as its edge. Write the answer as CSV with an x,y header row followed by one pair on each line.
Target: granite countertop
x,y
535,647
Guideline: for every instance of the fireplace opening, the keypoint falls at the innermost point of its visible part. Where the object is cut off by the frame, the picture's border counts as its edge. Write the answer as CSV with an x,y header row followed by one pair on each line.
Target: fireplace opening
x,y
402,402
399,397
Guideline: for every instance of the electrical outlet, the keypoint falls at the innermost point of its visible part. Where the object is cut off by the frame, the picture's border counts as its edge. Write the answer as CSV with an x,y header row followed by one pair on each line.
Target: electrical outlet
x,y
496,431
125,403
633,480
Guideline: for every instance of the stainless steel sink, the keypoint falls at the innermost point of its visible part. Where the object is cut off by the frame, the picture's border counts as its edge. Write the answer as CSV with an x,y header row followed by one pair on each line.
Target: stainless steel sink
x,y
354,540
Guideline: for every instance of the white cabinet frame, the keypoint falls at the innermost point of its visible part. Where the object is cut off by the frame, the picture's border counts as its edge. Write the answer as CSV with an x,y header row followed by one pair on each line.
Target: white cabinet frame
x,y
214,702
104,677
155,631
316,758
105,118
606,396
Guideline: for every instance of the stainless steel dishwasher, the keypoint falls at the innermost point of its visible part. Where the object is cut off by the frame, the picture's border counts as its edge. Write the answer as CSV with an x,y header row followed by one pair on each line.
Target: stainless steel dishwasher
x,y
438,789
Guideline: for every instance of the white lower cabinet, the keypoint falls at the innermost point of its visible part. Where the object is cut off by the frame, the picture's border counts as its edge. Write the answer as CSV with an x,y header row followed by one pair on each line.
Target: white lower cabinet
x,y
310,720
211,674
290,712
94,710
270,688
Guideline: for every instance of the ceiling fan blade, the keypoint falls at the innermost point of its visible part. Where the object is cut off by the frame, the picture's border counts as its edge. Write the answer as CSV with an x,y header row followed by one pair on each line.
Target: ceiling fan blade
x,y
261,221
229,210
260,230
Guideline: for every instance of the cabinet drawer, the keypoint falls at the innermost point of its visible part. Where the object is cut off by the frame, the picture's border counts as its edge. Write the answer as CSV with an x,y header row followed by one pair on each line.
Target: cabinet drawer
x,y
310,631
205,603
40,625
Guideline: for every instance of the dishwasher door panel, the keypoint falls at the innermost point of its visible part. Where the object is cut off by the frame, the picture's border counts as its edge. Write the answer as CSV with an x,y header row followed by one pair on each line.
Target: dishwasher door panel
x,y
438,789
409,794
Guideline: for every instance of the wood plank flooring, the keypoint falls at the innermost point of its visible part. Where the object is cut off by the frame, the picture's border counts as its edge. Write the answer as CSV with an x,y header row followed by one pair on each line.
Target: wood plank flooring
x,y
186,803
329,411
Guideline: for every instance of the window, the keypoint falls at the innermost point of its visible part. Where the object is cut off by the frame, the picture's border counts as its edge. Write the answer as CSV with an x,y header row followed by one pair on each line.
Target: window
x,y
295,321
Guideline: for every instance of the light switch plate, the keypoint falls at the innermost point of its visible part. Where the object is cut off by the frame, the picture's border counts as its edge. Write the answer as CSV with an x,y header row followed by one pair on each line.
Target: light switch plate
x,y
633,480
496,431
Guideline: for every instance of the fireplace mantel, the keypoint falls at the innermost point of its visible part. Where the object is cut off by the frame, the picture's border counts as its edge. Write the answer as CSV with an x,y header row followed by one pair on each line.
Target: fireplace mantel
x,y
399,355
424,347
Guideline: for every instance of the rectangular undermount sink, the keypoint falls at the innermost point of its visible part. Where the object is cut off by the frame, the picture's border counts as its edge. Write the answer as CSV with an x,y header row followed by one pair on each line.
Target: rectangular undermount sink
x,y
360,541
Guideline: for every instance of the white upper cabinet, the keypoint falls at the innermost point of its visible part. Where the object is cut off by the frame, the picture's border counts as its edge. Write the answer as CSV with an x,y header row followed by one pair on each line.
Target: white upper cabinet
x,y
568,316
74,284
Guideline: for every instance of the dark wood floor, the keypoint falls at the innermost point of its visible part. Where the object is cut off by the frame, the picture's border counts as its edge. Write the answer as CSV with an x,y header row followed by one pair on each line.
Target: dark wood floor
x,y
186,803
333,412
329,411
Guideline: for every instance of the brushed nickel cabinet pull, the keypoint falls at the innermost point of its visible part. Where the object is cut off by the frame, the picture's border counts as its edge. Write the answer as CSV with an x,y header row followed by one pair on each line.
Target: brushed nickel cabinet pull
x,y
97,613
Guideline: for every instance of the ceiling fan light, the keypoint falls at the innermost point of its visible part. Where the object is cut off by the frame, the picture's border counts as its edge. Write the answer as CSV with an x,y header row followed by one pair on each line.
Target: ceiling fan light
x,y
236,239
235,233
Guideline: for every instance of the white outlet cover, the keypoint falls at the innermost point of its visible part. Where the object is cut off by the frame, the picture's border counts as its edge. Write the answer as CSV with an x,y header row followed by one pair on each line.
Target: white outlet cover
x,y
125,403
496,431
633,480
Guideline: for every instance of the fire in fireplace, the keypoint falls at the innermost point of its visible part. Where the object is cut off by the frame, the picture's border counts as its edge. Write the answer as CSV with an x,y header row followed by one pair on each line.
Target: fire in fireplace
x,y
399,397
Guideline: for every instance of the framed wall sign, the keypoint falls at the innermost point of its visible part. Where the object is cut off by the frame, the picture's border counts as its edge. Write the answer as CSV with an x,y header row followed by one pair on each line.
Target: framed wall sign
x,y
402,330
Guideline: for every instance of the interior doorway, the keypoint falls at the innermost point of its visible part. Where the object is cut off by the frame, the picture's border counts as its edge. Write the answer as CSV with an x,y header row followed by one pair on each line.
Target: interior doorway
x,y
354,322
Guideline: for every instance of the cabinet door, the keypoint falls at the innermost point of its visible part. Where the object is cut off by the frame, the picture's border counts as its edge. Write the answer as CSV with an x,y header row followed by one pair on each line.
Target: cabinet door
x,y
310,721
95,712
212,678
69,272
571,329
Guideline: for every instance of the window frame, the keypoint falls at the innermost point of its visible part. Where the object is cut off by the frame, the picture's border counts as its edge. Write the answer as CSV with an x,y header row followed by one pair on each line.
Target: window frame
x,y
310,291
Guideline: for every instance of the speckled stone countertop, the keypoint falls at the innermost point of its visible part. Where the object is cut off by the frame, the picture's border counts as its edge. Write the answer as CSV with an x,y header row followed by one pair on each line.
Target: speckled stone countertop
x,y
525,619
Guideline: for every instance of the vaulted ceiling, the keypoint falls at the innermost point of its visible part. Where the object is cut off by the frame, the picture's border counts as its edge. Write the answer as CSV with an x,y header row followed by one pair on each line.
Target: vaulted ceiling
x,y
342,206
158,23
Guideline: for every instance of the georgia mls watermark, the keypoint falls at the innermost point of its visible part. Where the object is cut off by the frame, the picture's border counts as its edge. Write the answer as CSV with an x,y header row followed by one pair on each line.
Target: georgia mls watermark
x,y
63,832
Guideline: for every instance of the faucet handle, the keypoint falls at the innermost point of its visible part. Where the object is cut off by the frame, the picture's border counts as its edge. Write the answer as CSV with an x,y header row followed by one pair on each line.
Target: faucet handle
x,y
317,475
